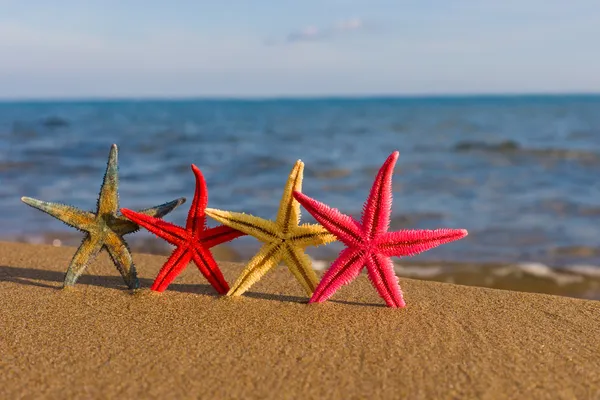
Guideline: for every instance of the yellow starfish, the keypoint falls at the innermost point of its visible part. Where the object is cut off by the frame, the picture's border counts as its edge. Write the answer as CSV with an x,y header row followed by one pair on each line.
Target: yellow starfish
x,y
284,238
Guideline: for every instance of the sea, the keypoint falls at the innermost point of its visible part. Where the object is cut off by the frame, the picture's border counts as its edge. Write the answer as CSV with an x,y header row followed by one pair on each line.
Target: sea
x,y
520,173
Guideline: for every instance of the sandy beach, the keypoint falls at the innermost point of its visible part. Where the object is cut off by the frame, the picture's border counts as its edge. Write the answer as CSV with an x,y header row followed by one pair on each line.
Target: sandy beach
x,y
99,340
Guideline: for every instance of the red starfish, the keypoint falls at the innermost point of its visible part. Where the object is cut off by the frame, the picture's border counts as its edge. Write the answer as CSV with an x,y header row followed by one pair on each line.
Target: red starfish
x,y
369,243
192,242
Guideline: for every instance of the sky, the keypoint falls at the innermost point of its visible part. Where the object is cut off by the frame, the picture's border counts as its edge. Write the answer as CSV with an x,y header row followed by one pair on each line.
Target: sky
x,y
273,48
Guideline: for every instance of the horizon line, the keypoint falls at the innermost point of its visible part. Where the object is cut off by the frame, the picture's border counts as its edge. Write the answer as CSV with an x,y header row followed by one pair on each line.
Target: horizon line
x,y
166,98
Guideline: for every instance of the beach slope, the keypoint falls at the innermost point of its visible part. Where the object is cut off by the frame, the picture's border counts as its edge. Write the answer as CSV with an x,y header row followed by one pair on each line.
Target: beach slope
x,y
99,340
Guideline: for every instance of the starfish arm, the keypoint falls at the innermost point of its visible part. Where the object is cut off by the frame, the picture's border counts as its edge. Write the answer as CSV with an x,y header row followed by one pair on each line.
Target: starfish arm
x,y
343,270
122,225
300,265
209,268
381,272
289,209
378,207
217,235
71,216
344,227
311,235
121,256
87,251
261,229
108,201
176,262
267,258
196,220
412,242
161,228
163,209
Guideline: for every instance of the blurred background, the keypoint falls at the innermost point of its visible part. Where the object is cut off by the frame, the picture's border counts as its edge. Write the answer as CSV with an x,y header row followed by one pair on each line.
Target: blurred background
x,y
492,105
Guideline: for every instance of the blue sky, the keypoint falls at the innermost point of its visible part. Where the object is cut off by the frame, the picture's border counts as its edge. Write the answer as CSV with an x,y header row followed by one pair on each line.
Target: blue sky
x,y
135,48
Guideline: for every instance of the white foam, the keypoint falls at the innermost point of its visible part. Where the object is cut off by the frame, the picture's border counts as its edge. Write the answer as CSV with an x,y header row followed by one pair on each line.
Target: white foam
x,y
319,265
564,276
592,271
536,269
421,272
543,271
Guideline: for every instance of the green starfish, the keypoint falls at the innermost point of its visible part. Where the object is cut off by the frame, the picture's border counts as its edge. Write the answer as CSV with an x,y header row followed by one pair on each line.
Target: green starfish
x,y
104,229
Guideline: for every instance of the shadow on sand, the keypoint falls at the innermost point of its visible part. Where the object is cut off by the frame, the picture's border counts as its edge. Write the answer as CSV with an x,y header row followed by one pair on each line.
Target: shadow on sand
x,y
53,280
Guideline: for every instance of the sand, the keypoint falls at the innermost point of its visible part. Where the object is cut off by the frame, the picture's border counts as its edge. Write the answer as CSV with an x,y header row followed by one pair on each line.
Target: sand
x,y
99,340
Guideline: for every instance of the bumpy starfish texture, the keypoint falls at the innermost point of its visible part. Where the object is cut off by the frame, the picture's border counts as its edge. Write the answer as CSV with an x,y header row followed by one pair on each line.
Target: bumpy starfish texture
x,y
369,243
284,239
192,242
104,229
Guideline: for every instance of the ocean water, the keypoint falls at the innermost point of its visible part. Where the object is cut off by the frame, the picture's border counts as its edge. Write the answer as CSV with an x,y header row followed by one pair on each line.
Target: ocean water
x,y
522,174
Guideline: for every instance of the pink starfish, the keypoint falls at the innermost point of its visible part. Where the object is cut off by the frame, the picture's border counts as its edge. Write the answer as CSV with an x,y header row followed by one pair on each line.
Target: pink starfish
x,y
369,243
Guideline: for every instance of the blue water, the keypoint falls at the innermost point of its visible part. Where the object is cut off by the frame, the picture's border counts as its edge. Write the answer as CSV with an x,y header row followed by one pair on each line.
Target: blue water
x,y
522,174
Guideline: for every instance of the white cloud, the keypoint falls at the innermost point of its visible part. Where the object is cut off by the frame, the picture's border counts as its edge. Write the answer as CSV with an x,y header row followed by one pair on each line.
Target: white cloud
x,y
313,33
351,24
307,34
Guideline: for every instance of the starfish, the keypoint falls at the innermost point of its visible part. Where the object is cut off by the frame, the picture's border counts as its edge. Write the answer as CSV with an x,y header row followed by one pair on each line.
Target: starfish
x,y
193,242
104,229
369,243
283,239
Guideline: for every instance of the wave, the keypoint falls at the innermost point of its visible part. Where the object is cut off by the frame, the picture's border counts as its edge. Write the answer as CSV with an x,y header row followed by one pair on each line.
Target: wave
x,y
581,281
55,122
512,147
504,146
